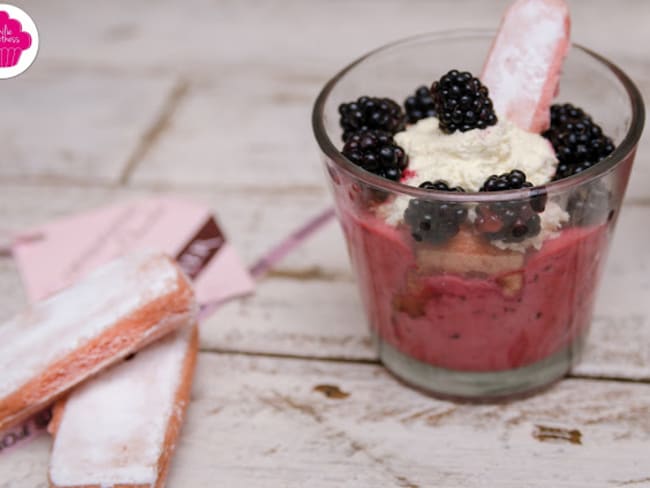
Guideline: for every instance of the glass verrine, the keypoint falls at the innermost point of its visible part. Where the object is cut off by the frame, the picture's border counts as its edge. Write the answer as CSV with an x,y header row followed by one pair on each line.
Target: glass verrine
x,y
465,318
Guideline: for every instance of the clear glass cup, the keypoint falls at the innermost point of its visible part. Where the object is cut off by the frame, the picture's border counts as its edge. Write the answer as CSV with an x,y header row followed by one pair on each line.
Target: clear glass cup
x,y
465,318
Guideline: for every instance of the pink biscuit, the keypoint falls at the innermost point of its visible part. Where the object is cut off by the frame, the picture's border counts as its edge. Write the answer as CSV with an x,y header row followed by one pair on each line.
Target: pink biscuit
x,y
522,70
120,428
13,40
62,341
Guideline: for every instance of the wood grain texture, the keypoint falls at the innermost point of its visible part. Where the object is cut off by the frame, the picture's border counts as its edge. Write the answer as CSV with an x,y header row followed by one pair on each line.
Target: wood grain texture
x,y
226,32
272,420
74,125
222,116
261,422
252,128
254,70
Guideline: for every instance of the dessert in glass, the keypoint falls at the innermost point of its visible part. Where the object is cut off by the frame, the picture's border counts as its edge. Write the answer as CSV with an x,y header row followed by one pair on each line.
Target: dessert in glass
x,y
478,213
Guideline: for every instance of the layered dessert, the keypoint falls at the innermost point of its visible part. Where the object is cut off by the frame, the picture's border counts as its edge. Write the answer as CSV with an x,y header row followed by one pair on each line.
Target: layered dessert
x,y
489,270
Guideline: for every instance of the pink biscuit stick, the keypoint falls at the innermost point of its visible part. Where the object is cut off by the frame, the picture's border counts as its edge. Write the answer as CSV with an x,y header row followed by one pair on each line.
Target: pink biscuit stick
x,y
101,442
62,341
120,428
523,67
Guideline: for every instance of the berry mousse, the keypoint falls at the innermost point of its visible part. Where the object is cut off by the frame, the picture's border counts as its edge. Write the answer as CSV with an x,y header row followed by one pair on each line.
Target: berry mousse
x,y
504,281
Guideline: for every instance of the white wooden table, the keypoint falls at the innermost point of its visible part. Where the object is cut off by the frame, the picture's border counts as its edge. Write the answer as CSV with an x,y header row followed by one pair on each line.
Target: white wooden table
x,y
211,99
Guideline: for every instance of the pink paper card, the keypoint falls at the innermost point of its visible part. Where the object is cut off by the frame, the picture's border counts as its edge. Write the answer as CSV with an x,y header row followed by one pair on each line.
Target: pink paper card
x,y
72,246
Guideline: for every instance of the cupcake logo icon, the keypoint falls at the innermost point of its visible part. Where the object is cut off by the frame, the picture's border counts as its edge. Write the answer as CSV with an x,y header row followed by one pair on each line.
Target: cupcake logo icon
x,y
18,41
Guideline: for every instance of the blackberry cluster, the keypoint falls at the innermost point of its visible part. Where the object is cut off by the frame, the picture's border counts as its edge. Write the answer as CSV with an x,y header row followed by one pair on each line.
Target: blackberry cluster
x,y
419,105
462,103
369,113
578,141
375,151
435,222
509,221
441,185
514,180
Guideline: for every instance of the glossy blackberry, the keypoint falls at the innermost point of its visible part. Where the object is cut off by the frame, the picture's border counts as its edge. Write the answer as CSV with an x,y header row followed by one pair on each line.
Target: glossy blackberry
x,y
510,221
578,141
375,151
435,222
589,205
369,113
514,180
441,185
419,105
462,103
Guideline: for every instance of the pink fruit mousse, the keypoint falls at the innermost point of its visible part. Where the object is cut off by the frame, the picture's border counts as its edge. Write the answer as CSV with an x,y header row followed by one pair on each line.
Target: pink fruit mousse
x,y
487,285
432,304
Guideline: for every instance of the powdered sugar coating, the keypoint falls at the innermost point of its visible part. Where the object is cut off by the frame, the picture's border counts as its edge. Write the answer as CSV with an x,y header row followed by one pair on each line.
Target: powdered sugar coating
x,y
52,329
113,428
522,70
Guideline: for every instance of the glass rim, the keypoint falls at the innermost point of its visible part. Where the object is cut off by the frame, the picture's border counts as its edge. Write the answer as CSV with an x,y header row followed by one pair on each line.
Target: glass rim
x,y
622,151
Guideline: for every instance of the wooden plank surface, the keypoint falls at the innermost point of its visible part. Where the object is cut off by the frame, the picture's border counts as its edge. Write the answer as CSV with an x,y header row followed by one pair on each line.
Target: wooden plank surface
x,y
121,103
75,125
262,422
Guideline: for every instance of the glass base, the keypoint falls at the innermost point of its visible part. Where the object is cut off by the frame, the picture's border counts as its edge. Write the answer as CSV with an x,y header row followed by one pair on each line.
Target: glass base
x,y
478,386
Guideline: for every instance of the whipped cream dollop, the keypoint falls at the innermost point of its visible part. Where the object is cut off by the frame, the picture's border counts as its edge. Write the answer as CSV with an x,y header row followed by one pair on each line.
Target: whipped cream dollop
x,y
467,159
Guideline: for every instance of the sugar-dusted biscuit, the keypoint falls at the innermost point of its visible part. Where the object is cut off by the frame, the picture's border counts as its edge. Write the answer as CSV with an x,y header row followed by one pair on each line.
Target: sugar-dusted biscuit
x,y
67,338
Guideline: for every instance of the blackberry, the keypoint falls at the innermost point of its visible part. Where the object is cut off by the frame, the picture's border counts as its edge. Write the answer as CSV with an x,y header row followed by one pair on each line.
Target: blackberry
x,y
375,151
510,221
462,103
578,141
419,105
441,185
435,222
369,113
514,180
